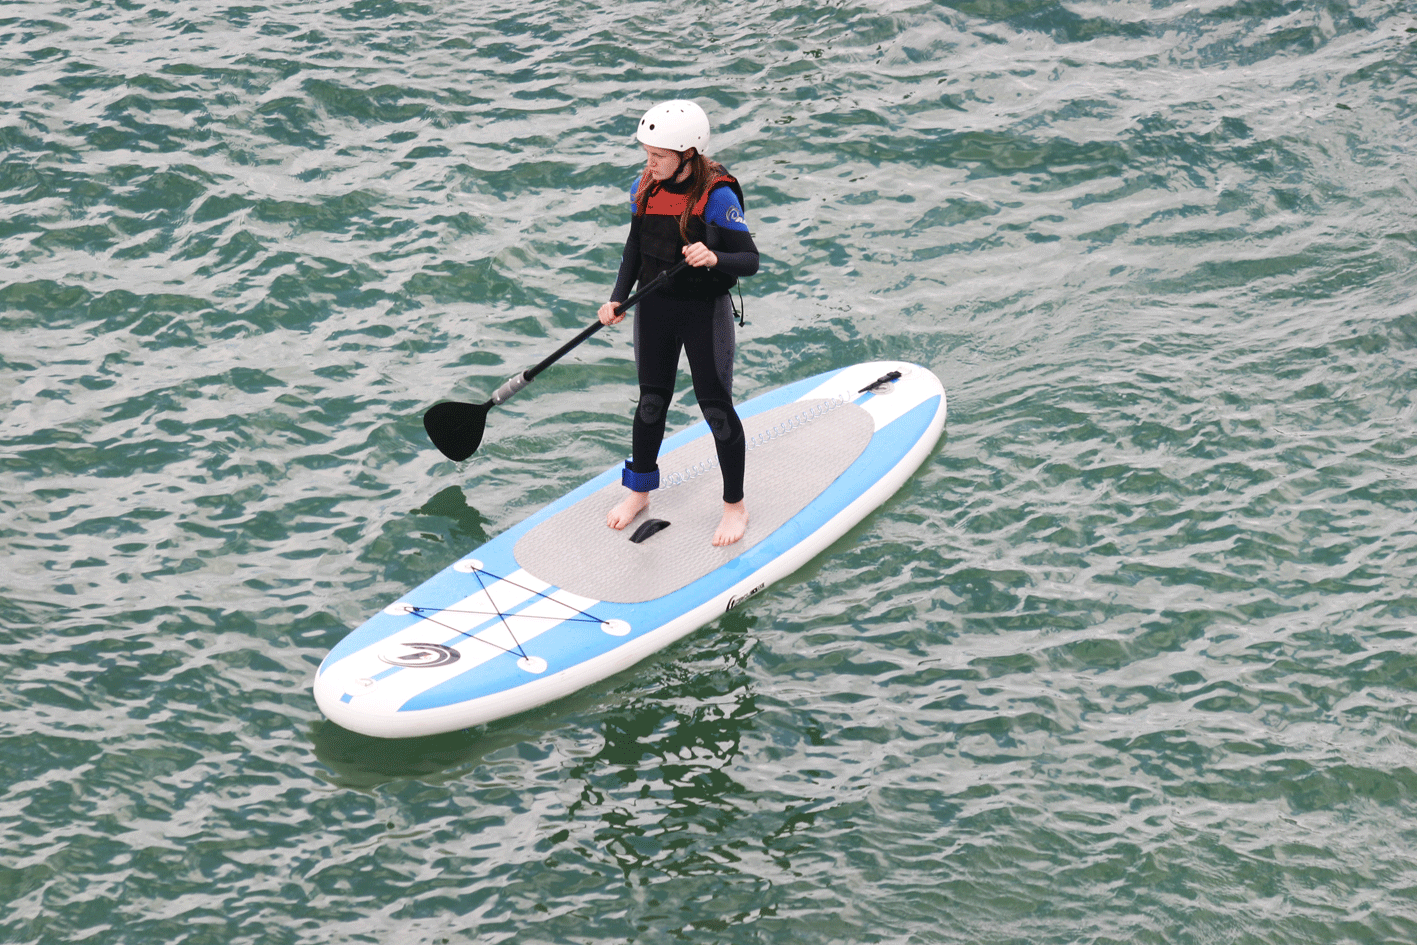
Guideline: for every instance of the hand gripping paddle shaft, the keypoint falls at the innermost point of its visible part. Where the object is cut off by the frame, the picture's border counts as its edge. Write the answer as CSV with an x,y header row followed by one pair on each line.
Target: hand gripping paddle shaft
x,y
456,428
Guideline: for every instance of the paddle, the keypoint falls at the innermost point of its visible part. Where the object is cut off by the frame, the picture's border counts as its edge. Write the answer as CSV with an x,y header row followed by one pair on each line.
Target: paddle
x,y
456,428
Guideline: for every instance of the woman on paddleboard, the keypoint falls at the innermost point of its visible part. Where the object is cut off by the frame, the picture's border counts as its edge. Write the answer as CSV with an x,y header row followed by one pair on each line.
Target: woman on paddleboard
x,y
683,206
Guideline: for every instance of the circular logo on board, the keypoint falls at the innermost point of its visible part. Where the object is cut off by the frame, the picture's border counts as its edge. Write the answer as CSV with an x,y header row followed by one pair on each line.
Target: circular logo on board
x,y
421,655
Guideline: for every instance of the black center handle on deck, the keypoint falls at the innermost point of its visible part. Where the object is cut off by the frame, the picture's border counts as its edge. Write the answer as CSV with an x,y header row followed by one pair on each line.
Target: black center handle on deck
x,y
651,527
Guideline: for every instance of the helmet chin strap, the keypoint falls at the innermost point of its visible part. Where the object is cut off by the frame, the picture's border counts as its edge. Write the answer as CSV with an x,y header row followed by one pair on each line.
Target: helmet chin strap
x,y
684,158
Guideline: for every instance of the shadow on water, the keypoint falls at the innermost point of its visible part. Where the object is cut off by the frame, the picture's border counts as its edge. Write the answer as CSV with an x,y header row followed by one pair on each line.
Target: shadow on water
x,y
468,524
362,762
695,694
692,698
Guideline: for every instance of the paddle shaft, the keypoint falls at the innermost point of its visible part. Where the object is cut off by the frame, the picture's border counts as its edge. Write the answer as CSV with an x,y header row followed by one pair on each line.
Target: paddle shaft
x,y
505,392
456,429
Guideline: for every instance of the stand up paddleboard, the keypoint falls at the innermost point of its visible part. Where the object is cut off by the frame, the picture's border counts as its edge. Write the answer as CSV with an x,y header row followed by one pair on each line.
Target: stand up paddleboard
x,y
562,601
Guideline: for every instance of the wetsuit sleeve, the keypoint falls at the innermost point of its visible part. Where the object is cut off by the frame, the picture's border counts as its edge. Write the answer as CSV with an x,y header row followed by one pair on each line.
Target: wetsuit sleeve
x,y
728,234
629,264
630,259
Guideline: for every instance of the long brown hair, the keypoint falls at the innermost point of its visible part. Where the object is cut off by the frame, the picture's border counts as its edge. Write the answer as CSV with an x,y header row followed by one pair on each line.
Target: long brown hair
x,y
702,172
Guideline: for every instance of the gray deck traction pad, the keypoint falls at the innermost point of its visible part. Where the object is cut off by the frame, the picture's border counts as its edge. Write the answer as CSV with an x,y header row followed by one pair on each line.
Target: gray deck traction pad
x,y
575,549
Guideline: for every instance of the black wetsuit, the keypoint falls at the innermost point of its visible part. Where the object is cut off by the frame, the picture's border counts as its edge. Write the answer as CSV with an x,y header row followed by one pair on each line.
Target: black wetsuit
x,y
693,315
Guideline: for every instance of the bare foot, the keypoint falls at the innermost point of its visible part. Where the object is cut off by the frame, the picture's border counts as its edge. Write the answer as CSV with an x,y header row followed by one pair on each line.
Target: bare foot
x,y
623,514
733,524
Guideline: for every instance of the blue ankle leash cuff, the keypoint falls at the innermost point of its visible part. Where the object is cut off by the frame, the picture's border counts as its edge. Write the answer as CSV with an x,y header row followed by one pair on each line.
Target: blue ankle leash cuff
x,y
639,482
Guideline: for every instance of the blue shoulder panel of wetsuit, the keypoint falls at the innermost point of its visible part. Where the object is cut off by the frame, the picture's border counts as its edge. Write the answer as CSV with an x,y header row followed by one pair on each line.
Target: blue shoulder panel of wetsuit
x,y
724,210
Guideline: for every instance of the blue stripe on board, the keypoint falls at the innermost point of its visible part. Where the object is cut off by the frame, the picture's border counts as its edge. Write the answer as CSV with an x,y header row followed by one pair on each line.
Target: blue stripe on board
x,y
566,646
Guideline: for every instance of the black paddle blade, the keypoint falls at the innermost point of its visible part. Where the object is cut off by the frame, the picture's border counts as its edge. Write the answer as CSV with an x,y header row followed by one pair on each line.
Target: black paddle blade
x,y
456,429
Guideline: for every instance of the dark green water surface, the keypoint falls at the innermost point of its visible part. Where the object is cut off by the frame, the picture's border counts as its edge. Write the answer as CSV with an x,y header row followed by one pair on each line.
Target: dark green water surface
x,y
1133,658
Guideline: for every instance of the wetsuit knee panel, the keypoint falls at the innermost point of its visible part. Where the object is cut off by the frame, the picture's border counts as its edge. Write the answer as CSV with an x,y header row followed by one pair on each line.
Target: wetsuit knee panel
x,y
722,420
653,403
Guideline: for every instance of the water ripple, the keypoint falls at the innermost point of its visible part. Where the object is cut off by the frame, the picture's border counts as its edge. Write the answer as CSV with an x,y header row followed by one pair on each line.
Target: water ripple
x,y
1130,659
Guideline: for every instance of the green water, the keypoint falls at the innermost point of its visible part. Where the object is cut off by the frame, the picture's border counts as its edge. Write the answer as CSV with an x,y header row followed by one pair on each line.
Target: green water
x,y
1133,658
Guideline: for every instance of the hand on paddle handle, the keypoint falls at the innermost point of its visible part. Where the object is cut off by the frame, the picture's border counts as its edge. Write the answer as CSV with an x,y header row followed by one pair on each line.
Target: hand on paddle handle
x,y
700,256
610,314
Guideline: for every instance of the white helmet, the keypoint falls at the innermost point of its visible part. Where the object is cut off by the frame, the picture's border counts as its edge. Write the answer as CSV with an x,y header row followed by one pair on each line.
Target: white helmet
x,y
676,126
